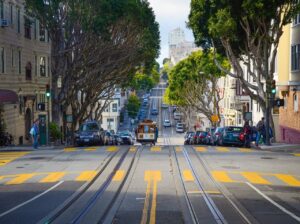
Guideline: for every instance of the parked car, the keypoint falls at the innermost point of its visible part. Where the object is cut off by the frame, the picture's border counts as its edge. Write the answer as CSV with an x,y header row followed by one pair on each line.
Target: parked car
x,y
188,138
164,106
180,128
127,137
216,135
89,133
209,137
154,112
177,115
117,140
199,137
231,135
107,138
167,123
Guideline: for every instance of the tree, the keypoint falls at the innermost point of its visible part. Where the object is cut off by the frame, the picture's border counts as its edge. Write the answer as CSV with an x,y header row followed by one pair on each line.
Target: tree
x,y
248,33
96,45
193,82
133,106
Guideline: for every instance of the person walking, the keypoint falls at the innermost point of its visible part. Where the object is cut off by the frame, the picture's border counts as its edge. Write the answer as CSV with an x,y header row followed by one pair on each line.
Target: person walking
x,y
34,131
260,130
247,134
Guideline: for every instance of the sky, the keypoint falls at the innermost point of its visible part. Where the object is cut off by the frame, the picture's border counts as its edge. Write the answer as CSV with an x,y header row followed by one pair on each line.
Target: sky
x,y
171,14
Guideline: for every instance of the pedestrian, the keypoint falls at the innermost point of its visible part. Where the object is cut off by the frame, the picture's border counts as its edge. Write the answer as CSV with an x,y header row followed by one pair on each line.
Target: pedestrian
x,y
260,130
247,134
34,132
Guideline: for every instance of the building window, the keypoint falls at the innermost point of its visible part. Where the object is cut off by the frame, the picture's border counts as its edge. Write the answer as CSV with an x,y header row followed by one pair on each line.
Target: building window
x,y
20,61
1,9
28,69
19,21
107,108
27,28
11,11
48,66
115,107
296,20
295,57
43,66
36,65
2,60
42,33
296,105
34,29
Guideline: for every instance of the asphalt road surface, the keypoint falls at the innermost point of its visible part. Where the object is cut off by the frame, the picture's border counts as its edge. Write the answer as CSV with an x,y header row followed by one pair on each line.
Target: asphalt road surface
x,y
166,183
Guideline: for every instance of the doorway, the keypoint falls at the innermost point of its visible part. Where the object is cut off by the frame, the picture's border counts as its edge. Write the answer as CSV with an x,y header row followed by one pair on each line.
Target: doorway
x,y
28,123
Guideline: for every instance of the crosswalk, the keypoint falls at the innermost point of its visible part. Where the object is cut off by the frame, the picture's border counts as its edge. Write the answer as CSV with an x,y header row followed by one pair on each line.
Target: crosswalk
x,y
7,157
257,178
91,149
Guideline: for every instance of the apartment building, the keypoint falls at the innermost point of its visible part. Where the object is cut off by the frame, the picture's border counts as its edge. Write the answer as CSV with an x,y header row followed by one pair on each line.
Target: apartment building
x,y
24,71
288,63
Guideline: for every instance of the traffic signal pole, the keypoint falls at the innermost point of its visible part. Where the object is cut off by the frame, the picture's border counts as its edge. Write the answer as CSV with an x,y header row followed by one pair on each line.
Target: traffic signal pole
x,y
48,96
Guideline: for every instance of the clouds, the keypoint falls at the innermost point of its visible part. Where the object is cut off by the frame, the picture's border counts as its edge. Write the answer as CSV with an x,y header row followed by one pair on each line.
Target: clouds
x,y
170,14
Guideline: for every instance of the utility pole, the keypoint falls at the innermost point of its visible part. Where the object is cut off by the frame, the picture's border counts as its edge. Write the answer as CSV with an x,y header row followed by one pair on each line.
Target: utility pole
x,y
48,95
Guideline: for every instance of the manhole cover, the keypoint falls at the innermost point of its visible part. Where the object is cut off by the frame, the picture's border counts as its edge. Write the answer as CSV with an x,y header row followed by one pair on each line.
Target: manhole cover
x,y
267,158
230,167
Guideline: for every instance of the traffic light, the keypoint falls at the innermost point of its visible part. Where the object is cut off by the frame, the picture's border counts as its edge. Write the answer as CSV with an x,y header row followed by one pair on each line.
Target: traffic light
x,y
273,87
48,93
278,103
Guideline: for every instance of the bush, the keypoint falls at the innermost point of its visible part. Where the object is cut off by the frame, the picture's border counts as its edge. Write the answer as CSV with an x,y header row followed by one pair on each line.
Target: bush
x,y
55,133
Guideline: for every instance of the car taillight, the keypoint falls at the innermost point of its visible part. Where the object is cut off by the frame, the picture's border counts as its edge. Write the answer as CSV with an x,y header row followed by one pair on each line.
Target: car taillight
x,y
242,136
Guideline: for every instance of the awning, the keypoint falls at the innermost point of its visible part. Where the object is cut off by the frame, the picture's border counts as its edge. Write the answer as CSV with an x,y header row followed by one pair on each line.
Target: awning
x,y
8,96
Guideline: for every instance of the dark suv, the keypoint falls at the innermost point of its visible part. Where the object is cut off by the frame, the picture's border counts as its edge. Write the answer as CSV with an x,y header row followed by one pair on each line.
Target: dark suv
x,y
89,133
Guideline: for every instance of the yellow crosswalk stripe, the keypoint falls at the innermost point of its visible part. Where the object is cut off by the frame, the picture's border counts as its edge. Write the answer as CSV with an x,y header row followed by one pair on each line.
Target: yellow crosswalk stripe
x,y
86,175
7,157
90,149
254,178
245,150
200,149
222,176
155,149
112,148
53,177
222,149
70,149
119,175
178,149
288,179
20,179
187,175
296,154
132,149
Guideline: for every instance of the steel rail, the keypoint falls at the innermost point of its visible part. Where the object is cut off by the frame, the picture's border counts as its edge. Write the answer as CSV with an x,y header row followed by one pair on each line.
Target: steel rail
x,y
219,218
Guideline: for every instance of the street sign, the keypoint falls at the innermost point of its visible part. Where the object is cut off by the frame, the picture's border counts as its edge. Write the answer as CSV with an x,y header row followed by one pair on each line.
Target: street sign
x,y
214,118
69,118
248,116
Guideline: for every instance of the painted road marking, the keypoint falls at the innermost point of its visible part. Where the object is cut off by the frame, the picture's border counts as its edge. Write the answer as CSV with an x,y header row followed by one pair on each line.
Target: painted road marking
x,y
296,154
155,149
204,192
132,149
151,176
188,176
178,149
254,178
53,177
70,149
30,200
275,203
288,179
86,175
7,157
222,149
200,149
20,179
245,150
90,149
112,148
222,176
119,175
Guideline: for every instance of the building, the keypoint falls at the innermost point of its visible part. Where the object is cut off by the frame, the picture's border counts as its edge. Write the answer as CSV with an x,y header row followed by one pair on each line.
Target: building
x,y
179,48
24,71
288,83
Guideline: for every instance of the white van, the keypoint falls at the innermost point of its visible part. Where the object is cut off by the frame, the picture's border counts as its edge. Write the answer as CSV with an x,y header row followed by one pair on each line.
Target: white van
x,y
177,115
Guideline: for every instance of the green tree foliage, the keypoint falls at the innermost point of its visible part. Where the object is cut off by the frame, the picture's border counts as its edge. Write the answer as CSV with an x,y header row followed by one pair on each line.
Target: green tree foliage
x,y
193,83
133,106
55,133
248,33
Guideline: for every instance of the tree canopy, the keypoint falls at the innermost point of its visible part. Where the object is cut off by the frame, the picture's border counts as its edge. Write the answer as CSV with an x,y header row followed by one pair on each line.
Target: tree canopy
x,y
133,106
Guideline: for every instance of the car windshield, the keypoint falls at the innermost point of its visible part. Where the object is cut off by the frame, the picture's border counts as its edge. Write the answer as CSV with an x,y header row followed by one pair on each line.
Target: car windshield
x,y
234,129
89,127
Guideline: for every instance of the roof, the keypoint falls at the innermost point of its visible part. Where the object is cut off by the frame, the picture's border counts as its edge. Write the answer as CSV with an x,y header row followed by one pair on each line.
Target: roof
x,y
8,96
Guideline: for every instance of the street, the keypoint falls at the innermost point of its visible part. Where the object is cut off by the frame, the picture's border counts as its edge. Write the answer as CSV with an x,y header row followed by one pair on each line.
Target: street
x,y
166,183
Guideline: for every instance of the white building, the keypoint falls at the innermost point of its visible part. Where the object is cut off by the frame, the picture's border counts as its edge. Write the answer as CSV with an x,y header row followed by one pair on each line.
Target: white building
x,y
176,36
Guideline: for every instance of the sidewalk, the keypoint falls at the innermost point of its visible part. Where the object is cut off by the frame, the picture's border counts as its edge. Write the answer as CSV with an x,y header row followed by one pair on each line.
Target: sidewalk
x,y
279,147
30,148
